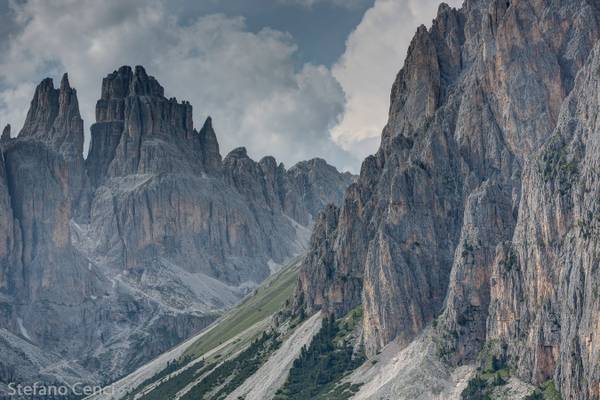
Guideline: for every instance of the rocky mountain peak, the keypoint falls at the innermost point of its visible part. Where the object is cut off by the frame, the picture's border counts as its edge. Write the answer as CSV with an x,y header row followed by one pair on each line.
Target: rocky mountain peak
x,y
209,147
144,85
130,82
443,8
271,168
64,83
138,130
54,118
313,162
42,111
268,162
5,133
236,154
123,83
207,126
114,86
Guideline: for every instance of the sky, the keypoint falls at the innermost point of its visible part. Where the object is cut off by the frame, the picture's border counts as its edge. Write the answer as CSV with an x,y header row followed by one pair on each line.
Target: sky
x,y
295,79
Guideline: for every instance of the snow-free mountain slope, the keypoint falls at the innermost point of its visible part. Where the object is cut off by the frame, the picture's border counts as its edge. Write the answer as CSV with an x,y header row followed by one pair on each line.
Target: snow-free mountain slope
x,y
107,262
459,218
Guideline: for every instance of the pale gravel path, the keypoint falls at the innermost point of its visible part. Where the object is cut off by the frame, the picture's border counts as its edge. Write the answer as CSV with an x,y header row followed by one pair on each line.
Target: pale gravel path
x,y
272,375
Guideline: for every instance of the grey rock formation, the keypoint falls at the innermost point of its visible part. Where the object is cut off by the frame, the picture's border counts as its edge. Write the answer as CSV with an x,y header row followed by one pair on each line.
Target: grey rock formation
x,y
139,131
53,118
308,181
108,261
46,283
5,133
163,190
545,303
317,283
209,147
423,233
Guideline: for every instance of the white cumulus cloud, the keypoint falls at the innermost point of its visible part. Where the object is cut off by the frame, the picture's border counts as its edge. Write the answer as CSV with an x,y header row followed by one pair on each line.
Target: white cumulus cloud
x,y
247,81
337,3
375,52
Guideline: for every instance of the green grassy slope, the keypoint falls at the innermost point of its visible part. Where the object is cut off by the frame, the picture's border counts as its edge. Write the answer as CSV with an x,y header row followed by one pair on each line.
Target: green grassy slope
x,y
265,301
237,329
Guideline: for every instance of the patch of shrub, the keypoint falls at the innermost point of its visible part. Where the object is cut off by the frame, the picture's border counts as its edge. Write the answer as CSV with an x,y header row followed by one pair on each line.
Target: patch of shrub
x,y
328,358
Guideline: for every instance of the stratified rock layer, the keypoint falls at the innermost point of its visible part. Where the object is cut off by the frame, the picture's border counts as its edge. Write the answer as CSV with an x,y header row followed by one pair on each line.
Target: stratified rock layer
x,y
453,195
545,281
108,261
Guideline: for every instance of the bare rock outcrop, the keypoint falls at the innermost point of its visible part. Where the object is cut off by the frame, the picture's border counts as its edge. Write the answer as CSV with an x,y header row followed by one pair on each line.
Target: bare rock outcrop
x,y
545,296
164,191
46,282
5,133
108,261
453,195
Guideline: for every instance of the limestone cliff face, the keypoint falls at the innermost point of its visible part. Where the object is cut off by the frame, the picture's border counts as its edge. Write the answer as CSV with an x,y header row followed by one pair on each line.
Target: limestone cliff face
x,y
45,182
108,261
309,180
54,118
10,258
159,189
545,284
5,133
423,232
44,278
139,131
164,191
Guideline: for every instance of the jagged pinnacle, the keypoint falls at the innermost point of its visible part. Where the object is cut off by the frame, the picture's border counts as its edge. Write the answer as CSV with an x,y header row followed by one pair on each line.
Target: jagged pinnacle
x,y
5,133
64,82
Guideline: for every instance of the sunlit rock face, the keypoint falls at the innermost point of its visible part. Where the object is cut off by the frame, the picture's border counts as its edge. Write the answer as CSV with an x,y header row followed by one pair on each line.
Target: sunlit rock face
x,y
454,217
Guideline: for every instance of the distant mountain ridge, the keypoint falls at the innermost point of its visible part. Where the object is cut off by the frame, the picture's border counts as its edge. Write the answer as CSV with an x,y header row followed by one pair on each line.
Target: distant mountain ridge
x,y
108,261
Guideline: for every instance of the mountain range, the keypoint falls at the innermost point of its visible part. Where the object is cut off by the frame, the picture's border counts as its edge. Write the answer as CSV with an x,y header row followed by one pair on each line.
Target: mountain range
x,y
107,261
462,263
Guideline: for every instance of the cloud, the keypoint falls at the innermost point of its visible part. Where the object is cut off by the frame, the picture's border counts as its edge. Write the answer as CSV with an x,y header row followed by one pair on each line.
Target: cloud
x,y
247,81
337,3
14,102
374,54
